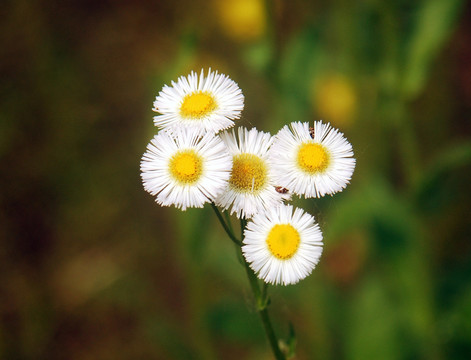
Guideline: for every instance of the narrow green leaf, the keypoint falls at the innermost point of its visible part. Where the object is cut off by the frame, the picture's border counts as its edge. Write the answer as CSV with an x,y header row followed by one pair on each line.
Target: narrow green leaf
x,y
434,24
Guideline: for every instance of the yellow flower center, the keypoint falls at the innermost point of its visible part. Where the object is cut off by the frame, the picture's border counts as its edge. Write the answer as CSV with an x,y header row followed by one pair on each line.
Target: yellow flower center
x,y
186,166
283,241
312,157
197,105
249,173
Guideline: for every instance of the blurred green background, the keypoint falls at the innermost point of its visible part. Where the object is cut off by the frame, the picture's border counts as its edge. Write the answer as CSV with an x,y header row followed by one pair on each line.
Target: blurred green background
x,y
92,268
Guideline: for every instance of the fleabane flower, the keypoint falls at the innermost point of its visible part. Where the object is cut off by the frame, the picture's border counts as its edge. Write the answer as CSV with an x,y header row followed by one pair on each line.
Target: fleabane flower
x,y
185,168
282,246
313,161
250,187
208,103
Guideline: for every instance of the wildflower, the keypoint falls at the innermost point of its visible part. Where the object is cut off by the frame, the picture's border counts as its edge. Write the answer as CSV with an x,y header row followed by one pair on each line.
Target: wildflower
x,y
185,168
208,103
312,162
250,188
282,246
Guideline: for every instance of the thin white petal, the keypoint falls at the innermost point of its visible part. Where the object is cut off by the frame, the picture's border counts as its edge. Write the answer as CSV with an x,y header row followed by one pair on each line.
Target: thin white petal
x,y
158,180
227,95
268,267
287,173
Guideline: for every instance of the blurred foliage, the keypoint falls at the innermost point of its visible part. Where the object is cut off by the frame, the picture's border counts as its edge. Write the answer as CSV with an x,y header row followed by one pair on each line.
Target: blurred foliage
x,y
92,268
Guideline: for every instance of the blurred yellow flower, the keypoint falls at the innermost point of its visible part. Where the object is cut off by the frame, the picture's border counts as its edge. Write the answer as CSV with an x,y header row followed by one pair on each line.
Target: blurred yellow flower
x,y
335,100
243,20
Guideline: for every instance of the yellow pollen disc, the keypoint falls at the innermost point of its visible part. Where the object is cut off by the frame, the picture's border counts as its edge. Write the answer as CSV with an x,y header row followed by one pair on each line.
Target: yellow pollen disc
x,y
197,105
186,166
283,241
249,173
312,158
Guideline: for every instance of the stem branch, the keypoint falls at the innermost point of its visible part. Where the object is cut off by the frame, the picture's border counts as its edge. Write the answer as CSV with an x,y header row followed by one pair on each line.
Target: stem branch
x,y
225,226
261,299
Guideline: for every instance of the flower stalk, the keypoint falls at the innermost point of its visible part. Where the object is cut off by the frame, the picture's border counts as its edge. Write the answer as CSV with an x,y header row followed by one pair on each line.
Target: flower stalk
x,y
260,295
262,302
226,227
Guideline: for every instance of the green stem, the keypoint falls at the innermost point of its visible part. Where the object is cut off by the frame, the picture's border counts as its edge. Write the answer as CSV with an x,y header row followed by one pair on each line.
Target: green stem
x,y
261,299
260,296
262,304
243,224
225,226
265,292
253,284
228,221
271,334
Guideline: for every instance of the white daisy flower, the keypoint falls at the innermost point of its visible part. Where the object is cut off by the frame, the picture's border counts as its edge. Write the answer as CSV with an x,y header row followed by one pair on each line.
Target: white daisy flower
x,y
205,103
250,188
312,161
185,168
282,246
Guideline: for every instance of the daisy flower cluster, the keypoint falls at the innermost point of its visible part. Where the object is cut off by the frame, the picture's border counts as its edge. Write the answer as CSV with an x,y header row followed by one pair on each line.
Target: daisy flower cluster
x,y
194,159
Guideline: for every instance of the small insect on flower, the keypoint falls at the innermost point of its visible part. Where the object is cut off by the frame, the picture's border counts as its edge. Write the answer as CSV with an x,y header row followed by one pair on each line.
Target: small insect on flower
x,y
281,190
185,168
312,162
282,245
312,132
208,103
